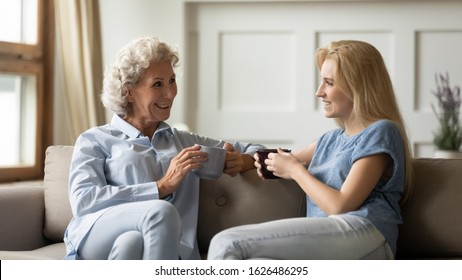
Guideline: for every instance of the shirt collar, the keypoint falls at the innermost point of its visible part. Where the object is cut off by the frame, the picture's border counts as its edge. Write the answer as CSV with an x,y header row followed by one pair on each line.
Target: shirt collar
x,y
131,131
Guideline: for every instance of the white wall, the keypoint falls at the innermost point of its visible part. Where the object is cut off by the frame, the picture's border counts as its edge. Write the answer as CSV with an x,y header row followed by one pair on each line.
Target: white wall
x,y
170,20
124,20
256,78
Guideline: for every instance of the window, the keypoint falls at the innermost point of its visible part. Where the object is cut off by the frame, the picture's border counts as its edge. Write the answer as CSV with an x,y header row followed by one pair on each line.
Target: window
x,y
26,35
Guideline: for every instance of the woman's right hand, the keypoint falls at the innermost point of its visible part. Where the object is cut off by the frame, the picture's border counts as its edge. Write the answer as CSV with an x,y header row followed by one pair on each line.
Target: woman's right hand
x,y
258,165
188,159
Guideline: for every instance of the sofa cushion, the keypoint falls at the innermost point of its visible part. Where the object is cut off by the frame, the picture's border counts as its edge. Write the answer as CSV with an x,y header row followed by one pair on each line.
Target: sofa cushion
x,y
245,199
56,251
57,208
432,228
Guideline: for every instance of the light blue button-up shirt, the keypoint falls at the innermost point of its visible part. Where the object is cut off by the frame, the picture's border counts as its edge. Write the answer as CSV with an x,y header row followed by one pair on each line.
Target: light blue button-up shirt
x,y
116,163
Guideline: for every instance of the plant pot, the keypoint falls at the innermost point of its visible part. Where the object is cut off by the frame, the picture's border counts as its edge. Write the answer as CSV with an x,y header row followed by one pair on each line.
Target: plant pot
x,y
447,154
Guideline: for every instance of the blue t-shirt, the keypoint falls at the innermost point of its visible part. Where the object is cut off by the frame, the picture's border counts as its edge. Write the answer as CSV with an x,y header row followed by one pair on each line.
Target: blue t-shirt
x,y
333,158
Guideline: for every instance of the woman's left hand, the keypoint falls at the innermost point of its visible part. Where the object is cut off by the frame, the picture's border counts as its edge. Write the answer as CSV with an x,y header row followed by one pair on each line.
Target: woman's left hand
x,y
234,161
282,163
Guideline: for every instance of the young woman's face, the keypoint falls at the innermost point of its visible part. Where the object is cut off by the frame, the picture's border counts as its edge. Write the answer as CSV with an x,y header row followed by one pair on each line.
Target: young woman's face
x,y
152,97
336,103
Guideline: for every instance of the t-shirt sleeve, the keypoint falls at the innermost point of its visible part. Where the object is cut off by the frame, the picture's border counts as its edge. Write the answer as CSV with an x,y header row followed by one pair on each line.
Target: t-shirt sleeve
x,y
384,137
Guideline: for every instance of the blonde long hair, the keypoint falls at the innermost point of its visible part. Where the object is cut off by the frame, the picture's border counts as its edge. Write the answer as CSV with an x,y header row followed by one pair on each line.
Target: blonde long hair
x,y
362,75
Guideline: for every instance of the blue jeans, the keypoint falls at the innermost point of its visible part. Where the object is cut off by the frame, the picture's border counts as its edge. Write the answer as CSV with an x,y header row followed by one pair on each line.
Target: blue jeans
x,y
338,237
136,230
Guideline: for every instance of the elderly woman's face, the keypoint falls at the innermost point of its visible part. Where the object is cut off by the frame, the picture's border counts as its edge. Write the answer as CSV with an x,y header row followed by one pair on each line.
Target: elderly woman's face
x,y
152,97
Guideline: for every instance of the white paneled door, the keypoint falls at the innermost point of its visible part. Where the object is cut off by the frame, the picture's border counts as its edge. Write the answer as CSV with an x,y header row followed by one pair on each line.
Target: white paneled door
x,y
251,74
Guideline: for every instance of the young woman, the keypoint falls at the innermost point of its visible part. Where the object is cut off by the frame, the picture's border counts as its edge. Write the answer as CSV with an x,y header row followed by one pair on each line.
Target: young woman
x,y
357,173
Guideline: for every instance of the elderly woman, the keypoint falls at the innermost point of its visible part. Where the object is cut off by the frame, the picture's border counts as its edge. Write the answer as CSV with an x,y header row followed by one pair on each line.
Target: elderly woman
x,y
131,188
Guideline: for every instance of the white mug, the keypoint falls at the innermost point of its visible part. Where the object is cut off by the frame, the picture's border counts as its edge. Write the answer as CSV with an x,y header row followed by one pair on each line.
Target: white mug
x,y
212,169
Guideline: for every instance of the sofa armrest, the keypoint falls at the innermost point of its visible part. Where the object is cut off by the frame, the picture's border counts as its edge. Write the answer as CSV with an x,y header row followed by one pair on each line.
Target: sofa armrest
x,y
21,217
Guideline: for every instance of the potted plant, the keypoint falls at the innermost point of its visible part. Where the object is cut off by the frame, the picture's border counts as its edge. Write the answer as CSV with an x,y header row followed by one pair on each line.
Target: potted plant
x,y
448,137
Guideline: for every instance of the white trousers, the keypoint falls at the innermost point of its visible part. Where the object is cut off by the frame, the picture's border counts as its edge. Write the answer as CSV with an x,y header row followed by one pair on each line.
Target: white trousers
x,y
338,237
136,230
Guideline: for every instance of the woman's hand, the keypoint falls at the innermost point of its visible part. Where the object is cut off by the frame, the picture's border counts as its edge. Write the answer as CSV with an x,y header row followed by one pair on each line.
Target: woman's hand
x,y
282,164
234,161
258,165
188,159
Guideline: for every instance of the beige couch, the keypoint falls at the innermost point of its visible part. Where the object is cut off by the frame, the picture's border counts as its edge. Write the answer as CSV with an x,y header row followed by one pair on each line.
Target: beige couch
x,y
33,218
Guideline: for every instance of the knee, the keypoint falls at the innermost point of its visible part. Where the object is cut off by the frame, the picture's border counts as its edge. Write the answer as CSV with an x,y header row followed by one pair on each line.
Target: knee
x,y
164,214
166,211
225,245
130,239
128,246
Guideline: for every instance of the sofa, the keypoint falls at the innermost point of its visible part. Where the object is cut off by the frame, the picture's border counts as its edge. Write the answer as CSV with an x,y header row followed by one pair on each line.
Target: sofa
x,y
33,216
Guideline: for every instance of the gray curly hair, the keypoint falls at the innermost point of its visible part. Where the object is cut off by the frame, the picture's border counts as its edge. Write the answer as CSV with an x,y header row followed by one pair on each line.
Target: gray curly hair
x,y
130,64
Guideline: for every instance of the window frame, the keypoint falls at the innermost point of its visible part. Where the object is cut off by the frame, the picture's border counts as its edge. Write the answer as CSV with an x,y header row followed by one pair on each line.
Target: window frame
x,y
17,59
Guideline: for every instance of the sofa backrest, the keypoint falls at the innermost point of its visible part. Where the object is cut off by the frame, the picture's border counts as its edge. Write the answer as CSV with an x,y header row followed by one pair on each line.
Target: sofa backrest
x,y
245,199
228,201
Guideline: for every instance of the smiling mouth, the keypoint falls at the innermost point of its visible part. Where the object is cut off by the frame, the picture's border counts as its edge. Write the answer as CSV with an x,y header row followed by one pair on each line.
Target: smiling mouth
x,y
326,103
163,106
